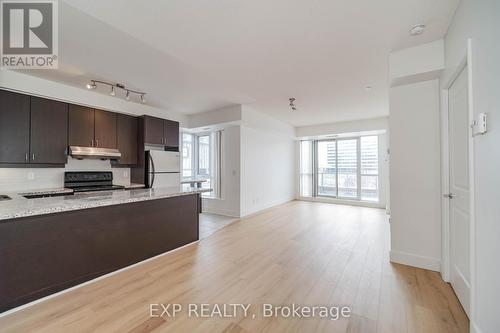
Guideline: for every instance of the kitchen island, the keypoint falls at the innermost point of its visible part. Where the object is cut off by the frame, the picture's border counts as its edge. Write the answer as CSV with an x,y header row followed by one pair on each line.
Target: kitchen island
x,y
50,244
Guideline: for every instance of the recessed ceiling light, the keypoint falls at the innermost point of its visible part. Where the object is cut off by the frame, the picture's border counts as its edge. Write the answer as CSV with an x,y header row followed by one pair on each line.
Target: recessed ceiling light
x,y
417,30
368,88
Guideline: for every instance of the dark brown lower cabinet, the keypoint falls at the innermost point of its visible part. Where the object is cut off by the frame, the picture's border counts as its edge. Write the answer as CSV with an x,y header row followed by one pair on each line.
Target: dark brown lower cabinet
x,y
45,254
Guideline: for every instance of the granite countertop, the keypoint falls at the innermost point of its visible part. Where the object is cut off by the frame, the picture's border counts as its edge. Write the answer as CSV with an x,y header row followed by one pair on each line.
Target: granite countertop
x,y
22,207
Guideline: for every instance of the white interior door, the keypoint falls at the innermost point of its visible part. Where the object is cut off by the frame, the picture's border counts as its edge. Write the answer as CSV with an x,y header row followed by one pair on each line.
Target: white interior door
x,y
459,189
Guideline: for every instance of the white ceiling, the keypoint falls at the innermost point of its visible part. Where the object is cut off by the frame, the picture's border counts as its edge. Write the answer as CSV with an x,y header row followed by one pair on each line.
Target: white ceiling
x,y
194,56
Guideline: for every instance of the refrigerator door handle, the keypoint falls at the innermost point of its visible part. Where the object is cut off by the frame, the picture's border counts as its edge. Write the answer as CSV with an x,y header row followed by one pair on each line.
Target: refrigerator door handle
x,y
152,171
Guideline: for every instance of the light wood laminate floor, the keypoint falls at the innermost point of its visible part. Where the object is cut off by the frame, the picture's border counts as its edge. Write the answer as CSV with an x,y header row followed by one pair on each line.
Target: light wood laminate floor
x,y
300,252
211,223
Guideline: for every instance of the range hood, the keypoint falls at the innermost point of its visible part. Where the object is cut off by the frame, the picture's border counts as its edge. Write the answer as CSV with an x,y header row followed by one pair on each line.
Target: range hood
x,y
94,152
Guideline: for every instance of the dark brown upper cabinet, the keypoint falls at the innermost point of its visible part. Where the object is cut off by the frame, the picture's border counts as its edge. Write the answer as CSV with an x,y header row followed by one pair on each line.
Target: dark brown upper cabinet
x,y
81,126
14,127
91,128
49,131
159,131
104,129
153,131
126,139
171,129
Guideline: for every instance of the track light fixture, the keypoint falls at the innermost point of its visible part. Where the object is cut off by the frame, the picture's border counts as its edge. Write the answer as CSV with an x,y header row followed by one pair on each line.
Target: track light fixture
x,y
93,85
292,104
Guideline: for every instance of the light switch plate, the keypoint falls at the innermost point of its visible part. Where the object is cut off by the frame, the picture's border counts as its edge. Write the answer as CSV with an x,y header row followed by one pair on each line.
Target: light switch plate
x,y
479,126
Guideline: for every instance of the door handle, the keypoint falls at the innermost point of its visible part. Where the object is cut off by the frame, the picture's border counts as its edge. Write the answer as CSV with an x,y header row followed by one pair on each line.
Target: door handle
x,y
449,195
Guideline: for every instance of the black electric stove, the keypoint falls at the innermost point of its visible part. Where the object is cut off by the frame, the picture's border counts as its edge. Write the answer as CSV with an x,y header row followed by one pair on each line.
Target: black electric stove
x,y
89,181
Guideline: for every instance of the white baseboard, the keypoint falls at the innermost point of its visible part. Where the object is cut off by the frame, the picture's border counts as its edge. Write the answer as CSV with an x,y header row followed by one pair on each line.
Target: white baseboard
x,y
261,207
473,328
218,211
414,260
343,202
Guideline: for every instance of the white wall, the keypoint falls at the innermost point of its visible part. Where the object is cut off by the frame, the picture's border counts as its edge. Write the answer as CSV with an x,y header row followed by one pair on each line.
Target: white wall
x,y
267,162
480,21
258,160
225,115
364,125
229,203
267,172
26,179
420,63
415,175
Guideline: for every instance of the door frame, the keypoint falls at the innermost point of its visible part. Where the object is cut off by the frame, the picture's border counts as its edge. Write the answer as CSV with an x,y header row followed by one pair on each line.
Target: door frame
x,y
466,62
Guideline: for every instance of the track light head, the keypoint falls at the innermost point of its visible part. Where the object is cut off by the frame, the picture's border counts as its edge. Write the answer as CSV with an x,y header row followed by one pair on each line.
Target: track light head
x,y
292,104
91,85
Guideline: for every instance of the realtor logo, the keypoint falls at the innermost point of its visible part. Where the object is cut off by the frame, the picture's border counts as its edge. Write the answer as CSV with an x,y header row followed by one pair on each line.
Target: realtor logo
x,y
29,34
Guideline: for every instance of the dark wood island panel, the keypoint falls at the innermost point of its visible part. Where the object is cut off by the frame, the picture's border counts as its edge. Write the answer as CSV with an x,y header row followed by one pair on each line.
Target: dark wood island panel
x,y
44,254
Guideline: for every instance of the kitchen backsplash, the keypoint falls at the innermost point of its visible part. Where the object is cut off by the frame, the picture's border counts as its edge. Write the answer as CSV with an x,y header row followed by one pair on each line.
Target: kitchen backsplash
x,y
22,179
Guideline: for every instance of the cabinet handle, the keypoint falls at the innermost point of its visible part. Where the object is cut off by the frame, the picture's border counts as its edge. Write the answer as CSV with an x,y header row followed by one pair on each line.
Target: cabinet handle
x,y
33,156
92,142
96,143
26,157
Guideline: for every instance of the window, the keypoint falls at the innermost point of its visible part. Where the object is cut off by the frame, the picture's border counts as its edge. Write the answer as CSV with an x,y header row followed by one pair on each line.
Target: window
x,y
369,168
201,159
326,175
347,158
306,169
340,168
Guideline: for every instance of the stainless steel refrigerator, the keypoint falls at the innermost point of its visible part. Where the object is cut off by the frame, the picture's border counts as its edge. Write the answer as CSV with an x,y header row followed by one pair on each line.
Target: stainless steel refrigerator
x,y
162,168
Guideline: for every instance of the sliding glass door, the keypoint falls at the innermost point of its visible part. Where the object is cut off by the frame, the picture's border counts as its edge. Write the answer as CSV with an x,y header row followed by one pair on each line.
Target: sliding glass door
x,y
326,168
340,168
347,158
